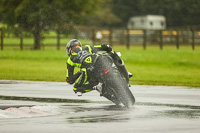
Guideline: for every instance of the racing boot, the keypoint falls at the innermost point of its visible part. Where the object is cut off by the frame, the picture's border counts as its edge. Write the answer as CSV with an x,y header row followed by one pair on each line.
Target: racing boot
x,y
130,75
79,94
82,89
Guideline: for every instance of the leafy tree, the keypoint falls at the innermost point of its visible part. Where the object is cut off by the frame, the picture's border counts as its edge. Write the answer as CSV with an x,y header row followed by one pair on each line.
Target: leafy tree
x,y
102,17
38,15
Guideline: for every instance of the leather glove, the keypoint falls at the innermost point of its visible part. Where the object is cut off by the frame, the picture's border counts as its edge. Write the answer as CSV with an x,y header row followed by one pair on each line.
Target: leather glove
x,y
69,80
106,47
73,78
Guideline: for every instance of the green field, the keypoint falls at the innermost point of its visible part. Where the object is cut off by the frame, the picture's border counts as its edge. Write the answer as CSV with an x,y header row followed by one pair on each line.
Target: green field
x,y
150,67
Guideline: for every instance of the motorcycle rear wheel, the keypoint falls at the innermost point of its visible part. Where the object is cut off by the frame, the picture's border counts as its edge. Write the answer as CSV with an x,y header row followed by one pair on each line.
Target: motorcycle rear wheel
x,y
121,90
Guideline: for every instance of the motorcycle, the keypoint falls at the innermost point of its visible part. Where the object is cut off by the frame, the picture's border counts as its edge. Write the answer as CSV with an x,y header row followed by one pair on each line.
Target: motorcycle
x,y
109,70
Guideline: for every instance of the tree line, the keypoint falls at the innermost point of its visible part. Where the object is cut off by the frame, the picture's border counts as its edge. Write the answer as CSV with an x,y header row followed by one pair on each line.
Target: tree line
x,y
35,16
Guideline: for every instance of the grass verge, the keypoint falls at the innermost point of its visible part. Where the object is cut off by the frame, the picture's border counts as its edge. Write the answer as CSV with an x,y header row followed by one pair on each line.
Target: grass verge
x,y
150,67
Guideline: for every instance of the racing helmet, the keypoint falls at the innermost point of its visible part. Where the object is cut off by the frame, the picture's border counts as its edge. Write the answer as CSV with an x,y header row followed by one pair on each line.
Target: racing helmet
x,y
72,43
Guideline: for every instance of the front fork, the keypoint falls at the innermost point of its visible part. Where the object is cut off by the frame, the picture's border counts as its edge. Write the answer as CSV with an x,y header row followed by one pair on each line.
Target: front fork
x,y
121,66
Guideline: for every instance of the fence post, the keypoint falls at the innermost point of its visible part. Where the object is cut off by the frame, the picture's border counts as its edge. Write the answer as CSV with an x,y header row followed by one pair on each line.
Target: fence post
x,y
193,39
171,36
58,40
188,35
144,39
21,40
2,34
177,39
93,36
110,37
127,38
161,40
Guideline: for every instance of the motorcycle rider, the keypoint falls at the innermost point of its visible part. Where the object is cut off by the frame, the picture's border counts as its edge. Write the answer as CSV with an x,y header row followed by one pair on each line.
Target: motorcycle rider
x,y
83,58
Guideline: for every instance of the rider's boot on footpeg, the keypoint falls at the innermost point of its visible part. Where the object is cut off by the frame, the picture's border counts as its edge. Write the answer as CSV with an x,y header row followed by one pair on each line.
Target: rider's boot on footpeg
x,y
98,88
79,94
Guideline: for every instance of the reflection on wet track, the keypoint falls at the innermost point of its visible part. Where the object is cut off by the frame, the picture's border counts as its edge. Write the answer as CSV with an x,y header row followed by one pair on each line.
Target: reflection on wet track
x,y
89,112
121,114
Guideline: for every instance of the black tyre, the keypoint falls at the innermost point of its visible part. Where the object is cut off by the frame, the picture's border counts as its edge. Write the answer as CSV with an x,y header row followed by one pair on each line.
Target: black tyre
x,y
122,90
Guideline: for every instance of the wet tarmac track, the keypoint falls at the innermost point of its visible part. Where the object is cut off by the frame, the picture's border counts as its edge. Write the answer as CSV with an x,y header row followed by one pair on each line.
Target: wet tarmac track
x,y
53,107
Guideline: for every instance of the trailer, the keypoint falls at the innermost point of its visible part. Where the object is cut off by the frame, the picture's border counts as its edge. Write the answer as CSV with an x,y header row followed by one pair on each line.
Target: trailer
x,y
147,22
